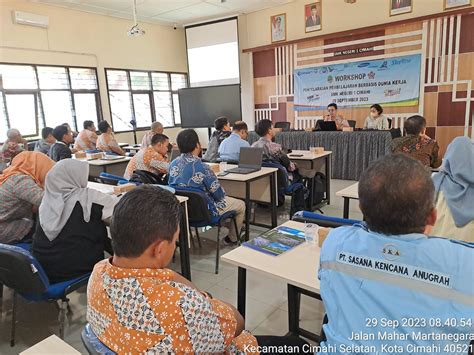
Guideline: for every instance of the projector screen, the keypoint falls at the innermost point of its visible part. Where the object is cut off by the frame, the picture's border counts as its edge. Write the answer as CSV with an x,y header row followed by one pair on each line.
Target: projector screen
x,y
213,53
200,106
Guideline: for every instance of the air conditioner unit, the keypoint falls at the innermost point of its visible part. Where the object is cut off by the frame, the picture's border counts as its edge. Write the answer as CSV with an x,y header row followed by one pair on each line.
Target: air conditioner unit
x,y
27,18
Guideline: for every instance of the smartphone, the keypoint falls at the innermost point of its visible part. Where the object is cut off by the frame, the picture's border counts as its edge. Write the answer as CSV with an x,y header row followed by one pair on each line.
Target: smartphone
x,y
224,173
295,155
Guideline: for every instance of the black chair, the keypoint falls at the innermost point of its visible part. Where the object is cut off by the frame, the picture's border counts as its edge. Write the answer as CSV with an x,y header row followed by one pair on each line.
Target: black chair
x,y
147,177
200,216
352,123
285,126
21,272
31,146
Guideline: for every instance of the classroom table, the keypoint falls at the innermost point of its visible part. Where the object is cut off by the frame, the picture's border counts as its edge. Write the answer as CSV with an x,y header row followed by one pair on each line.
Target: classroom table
x,y
259,186
350,192
305,159
184,236
297,267
115,167
52,345
129,148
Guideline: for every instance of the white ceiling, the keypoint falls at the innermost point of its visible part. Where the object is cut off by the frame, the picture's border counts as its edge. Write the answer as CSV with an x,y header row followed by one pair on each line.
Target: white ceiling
x,y
167,12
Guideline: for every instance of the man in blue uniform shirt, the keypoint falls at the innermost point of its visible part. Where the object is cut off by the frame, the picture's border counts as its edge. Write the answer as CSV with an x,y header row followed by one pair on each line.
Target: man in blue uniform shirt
x,y
229,150
386,286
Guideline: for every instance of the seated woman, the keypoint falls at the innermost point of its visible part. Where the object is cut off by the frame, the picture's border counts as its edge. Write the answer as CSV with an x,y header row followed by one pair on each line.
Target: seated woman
x,y
71,235
376,120
106,141
454,186
14,144
21,191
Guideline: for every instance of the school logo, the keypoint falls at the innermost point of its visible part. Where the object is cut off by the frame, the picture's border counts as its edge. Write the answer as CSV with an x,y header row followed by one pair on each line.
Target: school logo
x,y
390,252
330,78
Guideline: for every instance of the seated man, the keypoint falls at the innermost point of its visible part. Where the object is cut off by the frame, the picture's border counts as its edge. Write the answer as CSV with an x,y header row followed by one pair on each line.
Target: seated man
x,y
156,127
44,144
333,115
222,131
389,269
417,144
14,144
229,150
106,141
188,170
152,158
134,296
60,150
87,139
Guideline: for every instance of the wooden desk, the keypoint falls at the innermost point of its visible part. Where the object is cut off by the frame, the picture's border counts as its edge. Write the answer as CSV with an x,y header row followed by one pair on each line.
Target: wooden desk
x,y
51,346
297,267
350,192
315,162
259,186
184,237
115,167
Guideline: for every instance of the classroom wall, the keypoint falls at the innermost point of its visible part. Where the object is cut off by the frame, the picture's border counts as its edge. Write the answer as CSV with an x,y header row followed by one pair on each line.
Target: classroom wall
x,y
84,39
337,16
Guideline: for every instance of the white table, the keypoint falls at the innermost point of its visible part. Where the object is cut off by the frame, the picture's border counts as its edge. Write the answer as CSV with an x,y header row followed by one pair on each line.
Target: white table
x,y
184,236
136,147
51,345
306,159
115,167
259,186
350,192
297,267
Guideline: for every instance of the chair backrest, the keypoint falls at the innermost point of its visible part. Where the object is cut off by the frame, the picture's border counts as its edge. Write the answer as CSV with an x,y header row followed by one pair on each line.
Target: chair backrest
x,y
285,126
31,145
307,122
92,343
111,179
20,271
198,210
352,123
323,221
147,177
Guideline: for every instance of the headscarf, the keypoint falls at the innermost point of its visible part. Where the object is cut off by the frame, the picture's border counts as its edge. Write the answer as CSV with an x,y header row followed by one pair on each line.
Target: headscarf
x,y
66,184
456,180
34,164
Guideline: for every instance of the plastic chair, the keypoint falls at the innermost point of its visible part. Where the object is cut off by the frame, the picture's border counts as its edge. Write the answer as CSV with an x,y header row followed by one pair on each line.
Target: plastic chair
x,y
21,272
285,126
111,179
323,221
92,343
199,215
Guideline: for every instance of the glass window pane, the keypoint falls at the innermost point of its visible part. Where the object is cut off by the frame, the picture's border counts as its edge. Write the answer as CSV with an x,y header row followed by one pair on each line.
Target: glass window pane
x,y
178,81
86,109
22,113
163,108
141,103
160,81
3,121
18,77
177,115
52,78
121,108
57,108
117,80
139,80
83,78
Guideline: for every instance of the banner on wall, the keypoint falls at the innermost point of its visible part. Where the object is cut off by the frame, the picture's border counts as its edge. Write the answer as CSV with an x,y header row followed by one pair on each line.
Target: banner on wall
x,y
391,82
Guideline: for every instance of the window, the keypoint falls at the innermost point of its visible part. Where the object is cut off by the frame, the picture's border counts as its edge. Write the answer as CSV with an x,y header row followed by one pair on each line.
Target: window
x,y
145,97
36,96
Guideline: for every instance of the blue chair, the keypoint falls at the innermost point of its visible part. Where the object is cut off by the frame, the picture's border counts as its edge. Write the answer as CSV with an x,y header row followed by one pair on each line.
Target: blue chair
x,y
200,216
111,179
284,187
92,343
323,221
21,272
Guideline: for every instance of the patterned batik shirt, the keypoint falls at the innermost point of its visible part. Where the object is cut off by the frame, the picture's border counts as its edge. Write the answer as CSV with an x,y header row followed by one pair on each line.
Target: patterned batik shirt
x,y
106,142
147,159
423,149
86,140
273,151
18,194
189,171
138,311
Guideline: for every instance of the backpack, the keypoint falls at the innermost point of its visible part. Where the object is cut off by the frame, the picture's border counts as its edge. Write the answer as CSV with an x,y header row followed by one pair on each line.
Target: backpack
x,y
146,177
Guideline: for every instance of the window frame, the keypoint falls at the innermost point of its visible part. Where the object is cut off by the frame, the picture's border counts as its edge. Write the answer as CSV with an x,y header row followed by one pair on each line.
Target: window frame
x,y
39,108
150,92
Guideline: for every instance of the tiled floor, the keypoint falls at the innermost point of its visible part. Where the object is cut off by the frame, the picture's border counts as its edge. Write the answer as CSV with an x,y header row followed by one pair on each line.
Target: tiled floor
x,y
266,298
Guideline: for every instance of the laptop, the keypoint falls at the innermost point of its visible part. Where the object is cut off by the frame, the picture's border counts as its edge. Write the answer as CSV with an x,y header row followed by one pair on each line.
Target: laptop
x,y
326,126
174,154
250,161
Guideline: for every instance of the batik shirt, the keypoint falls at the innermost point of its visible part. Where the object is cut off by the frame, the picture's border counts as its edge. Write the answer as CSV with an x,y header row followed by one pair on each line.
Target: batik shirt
x,y
137,311
189,171
147,159
146,140
106,142
86,140
18,194
274,151
423,149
